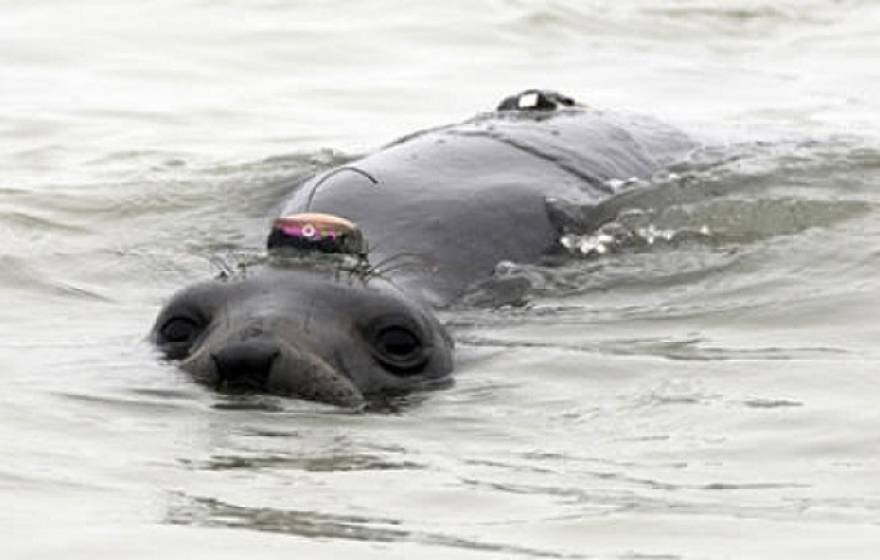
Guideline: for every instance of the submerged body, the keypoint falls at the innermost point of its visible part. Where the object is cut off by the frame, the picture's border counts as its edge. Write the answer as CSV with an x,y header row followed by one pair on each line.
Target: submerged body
x,y
454,202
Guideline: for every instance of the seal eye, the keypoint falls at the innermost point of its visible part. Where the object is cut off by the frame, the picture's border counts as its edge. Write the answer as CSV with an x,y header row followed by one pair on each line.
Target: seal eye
x,y
177,335
398,342
179,330
400,349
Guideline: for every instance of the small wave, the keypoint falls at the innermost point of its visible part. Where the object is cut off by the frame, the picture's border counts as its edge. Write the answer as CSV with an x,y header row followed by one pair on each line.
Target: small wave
x,y
699,219
676,21
17,274
734,14
30,222
686,350
714,222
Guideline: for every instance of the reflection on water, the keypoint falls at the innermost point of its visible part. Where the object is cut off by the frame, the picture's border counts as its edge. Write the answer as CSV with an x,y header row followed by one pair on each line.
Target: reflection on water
x,y
315,464
213,513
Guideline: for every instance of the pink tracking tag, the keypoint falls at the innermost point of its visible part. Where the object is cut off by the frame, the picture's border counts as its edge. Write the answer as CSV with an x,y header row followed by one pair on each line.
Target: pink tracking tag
x,y
314,231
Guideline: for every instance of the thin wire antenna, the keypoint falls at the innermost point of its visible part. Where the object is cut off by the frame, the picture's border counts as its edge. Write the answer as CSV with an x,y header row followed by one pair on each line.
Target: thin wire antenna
x,y
332,173
361,268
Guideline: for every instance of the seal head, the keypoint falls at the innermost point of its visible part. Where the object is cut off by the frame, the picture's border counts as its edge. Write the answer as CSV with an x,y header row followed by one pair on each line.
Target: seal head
x,y
312,333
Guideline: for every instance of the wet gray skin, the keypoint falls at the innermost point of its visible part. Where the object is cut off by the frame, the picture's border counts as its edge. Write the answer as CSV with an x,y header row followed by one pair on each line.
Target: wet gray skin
x,y
449,204
310,334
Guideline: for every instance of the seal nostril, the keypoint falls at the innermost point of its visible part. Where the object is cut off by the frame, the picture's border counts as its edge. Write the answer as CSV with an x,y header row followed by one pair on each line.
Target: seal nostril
x,y
245,365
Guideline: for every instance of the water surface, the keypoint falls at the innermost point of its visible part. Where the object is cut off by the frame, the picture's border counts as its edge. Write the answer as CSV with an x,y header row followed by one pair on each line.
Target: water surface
x,y
701,387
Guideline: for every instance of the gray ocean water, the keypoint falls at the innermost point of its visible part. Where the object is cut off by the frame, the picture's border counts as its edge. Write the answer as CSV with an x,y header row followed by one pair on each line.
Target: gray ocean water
x,y
703,386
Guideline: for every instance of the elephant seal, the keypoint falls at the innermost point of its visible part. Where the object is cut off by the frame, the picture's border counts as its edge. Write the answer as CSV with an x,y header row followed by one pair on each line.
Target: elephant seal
x,y
457,200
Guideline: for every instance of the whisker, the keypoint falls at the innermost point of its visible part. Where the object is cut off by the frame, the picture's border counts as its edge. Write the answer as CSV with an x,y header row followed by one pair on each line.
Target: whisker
x,y
224,269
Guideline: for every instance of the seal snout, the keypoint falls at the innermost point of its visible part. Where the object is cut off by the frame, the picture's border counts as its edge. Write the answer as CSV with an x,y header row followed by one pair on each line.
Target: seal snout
x,y
245,365
258,365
